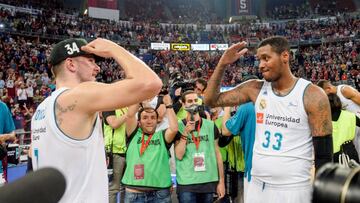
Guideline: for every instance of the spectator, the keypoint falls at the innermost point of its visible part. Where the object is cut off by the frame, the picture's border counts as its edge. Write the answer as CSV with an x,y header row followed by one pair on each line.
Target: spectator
x,y
7,133
22,96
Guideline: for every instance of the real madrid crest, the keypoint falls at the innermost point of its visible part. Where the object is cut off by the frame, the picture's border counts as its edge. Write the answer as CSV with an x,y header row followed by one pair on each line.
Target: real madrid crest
x,y
262,104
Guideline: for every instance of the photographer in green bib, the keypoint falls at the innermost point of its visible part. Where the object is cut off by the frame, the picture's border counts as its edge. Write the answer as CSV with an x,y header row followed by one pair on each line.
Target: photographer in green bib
x,y
115,146
147,175
199,167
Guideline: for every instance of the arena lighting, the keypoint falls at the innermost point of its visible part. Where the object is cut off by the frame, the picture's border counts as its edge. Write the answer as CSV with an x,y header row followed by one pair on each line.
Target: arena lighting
x,y
230,19
2,25
85,12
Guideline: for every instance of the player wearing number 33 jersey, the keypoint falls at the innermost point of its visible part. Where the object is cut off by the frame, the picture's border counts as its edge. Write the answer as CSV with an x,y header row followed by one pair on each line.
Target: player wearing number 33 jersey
x,y
283,143
292,118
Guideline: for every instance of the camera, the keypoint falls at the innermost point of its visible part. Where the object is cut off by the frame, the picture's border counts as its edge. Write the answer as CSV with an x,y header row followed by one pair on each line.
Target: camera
x,y
185,85
193,109
177,81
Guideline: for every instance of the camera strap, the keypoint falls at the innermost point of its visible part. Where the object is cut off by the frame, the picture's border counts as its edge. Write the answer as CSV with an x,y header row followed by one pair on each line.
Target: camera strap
x,y
196,140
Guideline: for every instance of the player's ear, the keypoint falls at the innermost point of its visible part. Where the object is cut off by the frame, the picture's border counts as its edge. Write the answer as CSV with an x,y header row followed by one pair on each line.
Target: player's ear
x,y
285,57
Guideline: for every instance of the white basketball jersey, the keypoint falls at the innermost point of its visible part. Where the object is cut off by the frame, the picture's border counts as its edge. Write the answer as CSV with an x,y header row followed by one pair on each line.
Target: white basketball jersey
x,y
347,104
82,162
283,143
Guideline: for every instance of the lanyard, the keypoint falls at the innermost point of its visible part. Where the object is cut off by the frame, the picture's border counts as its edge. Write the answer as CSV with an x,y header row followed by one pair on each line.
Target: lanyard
x,y
144,145
196,140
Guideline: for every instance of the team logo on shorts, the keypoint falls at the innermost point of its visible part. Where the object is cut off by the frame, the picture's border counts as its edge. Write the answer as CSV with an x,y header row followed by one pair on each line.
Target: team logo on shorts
x,y
262,104
259,117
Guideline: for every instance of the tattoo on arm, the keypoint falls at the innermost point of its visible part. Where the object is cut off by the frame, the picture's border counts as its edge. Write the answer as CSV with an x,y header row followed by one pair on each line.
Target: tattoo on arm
x,y
239,95
319,114
213,89
60,110
231,98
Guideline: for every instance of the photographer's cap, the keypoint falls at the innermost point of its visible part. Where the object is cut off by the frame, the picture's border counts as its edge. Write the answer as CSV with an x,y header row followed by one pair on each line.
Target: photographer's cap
x,y
67,48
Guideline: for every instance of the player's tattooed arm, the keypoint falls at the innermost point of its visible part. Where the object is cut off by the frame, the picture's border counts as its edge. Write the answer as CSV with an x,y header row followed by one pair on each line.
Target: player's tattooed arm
x,y
242,93
318,109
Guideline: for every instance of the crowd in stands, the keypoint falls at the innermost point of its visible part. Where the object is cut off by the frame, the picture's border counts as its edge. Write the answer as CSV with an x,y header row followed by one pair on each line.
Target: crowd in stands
x,y
52,24
24,79
27,65
309,9
196,11
136,11
289,11
53,5
25,76
308,30
325,7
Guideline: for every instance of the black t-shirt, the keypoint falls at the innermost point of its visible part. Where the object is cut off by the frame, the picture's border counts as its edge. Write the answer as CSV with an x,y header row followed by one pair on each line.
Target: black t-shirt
x,y
203,187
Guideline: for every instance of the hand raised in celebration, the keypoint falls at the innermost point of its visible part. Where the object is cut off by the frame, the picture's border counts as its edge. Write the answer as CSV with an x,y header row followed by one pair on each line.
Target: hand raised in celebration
x,y
233,53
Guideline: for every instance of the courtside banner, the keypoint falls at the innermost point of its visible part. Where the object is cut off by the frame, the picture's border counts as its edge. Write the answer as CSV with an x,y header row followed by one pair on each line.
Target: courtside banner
x,y
160,46
200,47
180,47
214,47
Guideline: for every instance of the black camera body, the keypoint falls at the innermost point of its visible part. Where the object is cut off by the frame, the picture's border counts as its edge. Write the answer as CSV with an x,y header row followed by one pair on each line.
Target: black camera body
x,y
193,109
177,81
185,85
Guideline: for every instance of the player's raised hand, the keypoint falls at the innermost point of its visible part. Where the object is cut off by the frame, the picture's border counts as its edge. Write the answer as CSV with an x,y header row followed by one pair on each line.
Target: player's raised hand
x,y
233,53
101,47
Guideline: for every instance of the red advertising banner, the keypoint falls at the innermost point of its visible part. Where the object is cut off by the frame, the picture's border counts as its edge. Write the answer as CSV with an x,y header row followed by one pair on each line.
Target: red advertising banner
x,y
243,7
109,4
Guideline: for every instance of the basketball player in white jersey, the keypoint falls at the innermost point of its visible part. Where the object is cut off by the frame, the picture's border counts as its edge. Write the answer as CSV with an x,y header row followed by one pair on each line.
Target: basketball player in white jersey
x,y
350,101
349,96
66,130
292,116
